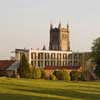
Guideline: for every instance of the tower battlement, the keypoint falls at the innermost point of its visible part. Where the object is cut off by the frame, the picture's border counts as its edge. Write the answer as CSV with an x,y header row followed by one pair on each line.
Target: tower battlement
x,y
59,38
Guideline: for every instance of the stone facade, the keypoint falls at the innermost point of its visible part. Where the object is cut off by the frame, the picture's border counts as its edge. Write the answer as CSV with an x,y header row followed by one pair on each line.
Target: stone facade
x,y
59,38
43,58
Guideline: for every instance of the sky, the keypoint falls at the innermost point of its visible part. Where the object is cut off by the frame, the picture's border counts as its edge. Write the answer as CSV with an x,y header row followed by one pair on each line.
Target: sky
x,y
26,23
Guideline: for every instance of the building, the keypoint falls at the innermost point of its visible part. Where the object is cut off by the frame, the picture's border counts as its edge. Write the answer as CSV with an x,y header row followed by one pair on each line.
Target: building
x,y
59,38
8,68
59,56
52,60
43,58
59,53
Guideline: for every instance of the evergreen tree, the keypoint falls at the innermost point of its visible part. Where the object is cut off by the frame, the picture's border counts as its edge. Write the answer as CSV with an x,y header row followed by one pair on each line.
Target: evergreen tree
x,y
24,69
96,55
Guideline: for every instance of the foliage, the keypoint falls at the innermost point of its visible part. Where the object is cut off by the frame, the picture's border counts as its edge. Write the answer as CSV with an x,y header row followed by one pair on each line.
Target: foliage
x,y
62,75
96,55
75,75
82,78
58,74
43,74
66,76
52,77
36,73
97,71
24,69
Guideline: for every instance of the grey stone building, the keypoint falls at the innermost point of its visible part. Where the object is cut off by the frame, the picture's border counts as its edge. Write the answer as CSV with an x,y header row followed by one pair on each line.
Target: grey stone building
x,y
59,38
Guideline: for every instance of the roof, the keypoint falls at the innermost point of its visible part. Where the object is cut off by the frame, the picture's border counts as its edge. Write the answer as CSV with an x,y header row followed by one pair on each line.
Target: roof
x,y
4,64
21,50
61,68
14,66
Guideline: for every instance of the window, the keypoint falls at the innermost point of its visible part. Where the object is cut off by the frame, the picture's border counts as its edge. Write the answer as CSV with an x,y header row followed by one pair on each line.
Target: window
x,y
33,63
69,63
59,56
52,56
46,63
40,55
58,63
46,55
70,56
64,56
52,63
33,55
64,63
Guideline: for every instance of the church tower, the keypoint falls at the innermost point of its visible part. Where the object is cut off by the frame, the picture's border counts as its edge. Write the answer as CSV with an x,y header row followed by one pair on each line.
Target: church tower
x,y
59,38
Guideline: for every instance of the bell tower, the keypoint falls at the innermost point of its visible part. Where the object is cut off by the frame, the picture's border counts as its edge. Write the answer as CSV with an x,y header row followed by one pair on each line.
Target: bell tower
x,y
59,38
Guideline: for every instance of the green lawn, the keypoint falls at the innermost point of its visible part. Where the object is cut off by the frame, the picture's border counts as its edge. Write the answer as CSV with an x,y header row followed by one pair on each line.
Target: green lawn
x,y
23,89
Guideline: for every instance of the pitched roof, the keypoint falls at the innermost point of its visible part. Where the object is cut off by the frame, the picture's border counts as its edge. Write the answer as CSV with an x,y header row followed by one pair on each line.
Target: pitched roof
x,y
14,66
4,64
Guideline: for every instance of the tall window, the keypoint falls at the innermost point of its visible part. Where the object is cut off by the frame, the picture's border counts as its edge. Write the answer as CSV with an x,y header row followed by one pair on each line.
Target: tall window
x,y
40,55
70,56
59,56
33,63
64,56
52,56
46,55
52,63
58,63
69,63
64,63
33,55
46,63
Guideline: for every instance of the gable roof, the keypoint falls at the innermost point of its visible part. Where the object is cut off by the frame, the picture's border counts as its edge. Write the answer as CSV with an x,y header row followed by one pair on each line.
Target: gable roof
x,y
4,64
14,66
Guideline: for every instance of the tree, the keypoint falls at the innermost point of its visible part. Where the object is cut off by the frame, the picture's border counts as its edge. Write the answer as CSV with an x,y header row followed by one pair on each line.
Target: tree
x,y
96,55
36,74
24,69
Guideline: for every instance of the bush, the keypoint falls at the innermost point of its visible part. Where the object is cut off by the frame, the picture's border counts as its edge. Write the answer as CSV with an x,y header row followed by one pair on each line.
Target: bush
x,y
62,75
66,76
58,74
82,78
75,75
52,77
43,74
36,73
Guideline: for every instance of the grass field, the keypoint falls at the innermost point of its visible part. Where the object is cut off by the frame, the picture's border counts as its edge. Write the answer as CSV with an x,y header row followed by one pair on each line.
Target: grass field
x,y
23,89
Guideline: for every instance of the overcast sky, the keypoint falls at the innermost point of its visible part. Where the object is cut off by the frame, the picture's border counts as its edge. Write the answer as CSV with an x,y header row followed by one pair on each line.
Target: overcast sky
x,y
25,23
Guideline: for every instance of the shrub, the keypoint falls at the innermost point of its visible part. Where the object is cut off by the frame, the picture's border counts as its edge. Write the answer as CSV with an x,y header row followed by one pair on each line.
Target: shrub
x,y
82,78
62,75
75,75
52,77
36,74
43,74
58,74
66,76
